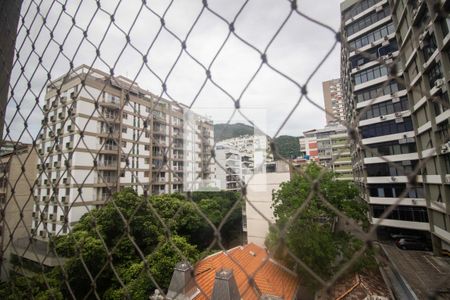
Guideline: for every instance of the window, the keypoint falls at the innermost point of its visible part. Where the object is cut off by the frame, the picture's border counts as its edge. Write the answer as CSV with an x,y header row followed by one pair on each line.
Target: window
x,y
124,144
124,115
146,173
359,8
378,91
391,148
370,74
372,36
404,213
429,46
124,130
385,128
434,74
384,169
384,108
367,20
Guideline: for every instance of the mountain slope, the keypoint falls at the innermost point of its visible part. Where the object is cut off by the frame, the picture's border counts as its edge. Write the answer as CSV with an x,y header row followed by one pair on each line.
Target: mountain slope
x,y
224,131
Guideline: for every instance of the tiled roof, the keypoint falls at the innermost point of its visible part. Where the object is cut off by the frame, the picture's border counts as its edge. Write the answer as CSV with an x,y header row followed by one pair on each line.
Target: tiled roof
x,y
249,261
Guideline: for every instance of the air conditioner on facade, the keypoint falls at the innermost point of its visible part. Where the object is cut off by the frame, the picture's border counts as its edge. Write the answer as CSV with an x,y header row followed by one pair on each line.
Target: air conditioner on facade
x,y
395,99
447,178
444,148
379,8
439,82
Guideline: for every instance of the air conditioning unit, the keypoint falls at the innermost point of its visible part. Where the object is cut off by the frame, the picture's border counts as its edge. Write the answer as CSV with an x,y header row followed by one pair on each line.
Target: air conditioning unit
x,y
447,178
395,99
406,163
379,8
444,148
385,43
439,82
399,120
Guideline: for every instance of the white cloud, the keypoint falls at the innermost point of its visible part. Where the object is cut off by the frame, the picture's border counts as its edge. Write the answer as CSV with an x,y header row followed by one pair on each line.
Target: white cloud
x,y
296,51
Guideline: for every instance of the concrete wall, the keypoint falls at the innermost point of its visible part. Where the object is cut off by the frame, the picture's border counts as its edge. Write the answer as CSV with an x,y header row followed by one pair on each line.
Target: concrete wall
x,y
259,195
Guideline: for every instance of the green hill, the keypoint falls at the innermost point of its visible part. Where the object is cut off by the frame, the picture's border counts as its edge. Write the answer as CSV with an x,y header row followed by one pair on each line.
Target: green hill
x,y
224,131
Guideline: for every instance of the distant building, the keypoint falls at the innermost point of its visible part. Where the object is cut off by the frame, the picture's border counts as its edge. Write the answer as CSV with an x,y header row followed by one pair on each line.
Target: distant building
x,y
228,167
9,146
225,276
329,147
102,133
255,148
308,145
258,209
16,201
333,100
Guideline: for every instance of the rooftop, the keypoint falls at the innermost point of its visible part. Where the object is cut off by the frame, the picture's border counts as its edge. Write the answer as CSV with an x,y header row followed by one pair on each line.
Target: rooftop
x,y
246,262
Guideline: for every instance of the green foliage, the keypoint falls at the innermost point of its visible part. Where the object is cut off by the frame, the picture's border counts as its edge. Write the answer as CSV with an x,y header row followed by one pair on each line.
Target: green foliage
x,y
287,147
310,236
113,239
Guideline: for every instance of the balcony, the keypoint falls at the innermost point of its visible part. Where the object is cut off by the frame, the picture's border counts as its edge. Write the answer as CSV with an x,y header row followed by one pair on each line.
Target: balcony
x,y
110,101
107,179
109,147
107,165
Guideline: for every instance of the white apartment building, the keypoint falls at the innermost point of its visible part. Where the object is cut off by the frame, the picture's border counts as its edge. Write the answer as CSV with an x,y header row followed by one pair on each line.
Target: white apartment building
x,y
101,134
228,167
255,148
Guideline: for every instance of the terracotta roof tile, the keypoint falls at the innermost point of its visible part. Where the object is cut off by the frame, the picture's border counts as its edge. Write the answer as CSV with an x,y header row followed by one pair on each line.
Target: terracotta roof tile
x,y
249,261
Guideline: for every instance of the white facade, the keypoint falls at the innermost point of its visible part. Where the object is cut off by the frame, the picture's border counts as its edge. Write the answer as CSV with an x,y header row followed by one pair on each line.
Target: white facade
x,y
228,167
259,201
255,147
102,134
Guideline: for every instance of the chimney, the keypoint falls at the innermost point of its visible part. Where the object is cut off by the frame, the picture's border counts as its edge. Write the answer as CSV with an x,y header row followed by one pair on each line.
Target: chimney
x,y
182,285
225,287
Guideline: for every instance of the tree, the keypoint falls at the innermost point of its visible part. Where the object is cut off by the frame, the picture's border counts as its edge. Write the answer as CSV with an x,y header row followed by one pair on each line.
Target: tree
x,y
310,236
104,252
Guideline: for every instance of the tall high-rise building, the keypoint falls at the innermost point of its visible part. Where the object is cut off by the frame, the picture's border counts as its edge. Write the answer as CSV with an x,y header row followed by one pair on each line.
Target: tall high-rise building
x,y
423,32
333,100
377,106
101,134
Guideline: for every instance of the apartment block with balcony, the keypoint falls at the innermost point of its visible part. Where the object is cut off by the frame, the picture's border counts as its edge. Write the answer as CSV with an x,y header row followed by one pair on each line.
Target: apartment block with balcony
x,y
228,167
376,105
333,100
423,34
101,134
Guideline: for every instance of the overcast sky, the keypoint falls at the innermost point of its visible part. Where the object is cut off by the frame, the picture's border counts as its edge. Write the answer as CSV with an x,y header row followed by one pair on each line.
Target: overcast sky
x,y
295,52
